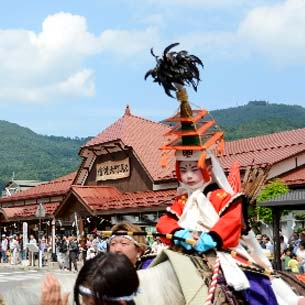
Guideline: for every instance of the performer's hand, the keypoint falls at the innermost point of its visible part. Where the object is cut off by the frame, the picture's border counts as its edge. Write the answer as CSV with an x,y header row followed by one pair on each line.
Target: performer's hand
x,y
184,233
205,243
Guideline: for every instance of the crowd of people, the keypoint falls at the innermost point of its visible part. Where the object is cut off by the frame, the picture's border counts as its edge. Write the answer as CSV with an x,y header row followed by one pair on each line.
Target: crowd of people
x,y
71,251
292,250
14,251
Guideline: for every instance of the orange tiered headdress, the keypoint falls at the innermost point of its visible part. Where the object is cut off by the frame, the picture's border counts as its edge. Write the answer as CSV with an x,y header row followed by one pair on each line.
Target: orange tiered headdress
x,y
194,131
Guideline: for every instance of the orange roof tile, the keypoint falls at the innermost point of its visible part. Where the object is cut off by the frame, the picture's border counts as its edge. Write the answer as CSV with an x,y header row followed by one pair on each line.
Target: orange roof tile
x,y
57,186
145,137
271,148
295,177
29,211
95,195
145,199
101,198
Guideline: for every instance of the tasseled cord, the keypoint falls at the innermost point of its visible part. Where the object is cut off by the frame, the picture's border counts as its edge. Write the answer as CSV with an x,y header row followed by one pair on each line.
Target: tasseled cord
x,y
201,165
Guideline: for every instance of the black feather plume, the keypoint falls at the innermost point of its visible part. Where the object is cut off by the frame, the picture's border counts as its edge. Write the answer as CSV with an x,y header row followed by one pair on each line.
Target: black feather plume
x,y
175,68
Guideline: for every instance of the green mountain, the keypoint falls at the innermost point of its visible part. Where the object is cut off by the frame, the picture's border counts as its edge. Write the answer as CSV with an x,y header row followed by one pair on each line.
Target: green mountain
x,y
258,118
32,156
28,155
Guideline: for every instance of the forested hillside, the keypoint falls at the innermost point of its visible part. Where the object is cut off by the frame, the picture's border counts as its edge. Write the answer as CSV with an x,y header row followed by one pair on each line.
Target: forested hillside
x,y
32,156
259,118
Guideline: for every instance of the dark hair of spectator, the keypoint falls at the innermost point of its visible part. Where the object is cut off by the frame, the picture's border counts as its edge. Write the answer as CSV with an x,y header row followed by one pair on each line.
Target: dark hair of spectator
x,y
108,276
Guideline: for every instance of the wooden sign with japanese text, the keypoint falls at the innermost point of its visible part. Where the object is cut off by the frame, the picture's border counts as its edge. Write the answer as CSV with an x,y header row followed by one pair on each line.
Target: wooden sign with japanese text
x,y
112,170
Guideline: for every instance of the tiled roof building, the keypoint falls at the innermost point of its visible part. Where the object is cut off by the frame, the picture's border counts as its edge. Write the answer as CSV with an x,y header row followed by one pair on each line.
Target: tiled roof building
x,y
121,174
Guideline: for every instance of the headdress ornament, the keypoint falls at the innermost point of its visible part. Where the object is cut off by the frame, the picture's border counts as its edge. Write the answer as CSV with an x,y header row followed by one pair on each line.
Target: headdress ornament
x,y
194,131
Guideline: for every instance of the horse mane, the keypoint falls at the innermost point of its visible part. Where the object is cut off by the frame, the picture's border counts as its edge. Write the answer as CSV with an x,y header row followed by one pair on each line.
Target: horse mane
x,y
159,285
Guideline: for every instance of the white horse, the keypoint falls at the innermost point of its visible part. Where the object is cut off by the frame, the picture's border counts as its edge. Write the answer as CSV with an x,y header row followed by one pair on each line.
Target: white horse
x,y
173,279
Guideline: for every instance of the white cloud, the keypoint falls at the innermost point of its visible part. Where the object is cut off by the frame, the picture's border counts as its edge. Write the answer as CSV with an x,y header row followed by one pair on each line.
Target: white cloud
x,y
277,31
65,32
50,65
80,84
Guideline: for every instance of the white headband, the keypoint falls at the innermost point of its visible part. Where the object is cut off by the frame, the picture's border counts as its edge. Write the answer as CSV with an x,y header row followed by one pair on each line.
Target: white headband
x,y
140,245
87,291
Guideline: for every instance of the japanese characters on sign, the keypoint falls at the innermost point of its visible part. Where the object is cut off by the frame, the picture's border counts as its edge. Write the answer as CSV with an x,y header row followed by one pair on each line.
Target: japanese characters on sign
x,y
112,170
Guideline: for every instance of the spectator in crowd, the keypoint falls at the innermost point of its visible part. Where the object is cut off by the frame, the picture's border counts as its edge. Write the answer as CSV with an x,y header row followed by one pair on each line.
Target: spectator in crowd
x,y
157,246
62,252
283,244
49,241
293,264
14,249
268,247
32,254
300,254
92,251
83,248
298,242
285,257
292,239
43,247
94,243
73,252
4,248
259,238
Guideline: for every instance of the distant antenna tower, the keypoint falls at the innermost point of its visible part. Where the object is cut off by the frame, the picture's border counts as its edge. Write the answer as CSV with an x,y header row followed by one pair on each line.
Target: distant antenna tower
x,y
13,176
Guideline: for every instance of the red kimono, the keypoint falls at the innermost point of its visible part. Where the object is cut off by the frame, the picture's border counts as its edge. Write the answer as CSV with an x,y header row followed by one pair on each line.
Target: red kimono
x,y
226,231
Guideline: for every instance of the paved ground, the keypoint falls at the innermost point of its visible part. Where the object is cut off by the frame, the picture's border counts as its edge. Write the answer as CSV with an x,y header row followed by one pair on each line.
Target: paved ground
x,y
21,285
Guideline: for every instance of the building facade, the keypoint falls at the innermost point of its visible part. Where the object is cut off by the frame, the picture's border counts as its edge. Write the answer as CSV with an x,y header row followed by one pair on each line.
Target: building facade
x,y
121,178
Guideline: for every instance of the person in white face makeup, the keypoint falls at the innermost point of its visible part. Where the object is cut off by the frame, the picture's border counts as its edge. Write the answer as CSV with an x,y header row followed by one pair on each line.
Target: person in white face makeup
x,y
208,207
199,198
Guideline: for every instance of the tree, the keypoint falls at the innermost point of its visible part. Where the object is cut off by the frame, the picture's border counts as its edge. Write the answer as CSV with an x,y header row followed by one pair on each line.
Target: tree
x,y
272,189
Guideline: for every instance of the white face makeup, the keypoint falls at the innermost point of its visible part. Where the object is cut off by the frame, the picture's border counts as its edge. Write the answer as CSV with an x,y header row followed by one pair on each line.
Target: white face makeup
x,y
191,175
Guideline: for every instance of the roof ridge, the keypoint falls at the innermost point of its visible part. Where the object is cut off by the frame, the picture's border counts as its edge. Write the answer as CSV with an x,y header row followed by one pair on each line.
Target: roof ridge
x,y
260,149
94,186
270,134
149,120
265,145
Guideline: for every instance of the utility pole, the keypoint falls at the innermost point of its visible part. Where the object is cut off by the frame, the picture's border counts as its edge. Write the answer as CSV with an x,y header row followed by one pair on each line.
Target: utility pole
x,y
40,213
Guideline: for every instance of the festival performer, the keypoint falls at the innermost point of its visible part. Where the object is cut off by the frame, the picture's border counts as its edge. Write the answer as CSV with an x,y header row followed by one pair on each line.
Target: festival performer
x,y
208,208
134,247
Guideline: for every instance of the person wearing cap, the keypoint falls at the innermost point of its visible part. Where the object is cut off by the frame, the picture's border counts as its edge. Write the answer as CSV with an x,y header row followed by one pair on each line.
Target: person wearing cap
x,y
4,248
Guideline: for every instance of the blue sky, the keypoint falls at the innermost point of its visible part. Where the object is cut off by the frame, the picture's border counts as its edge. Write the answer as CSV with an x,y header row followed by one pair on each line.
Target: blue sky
x,y
70,67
